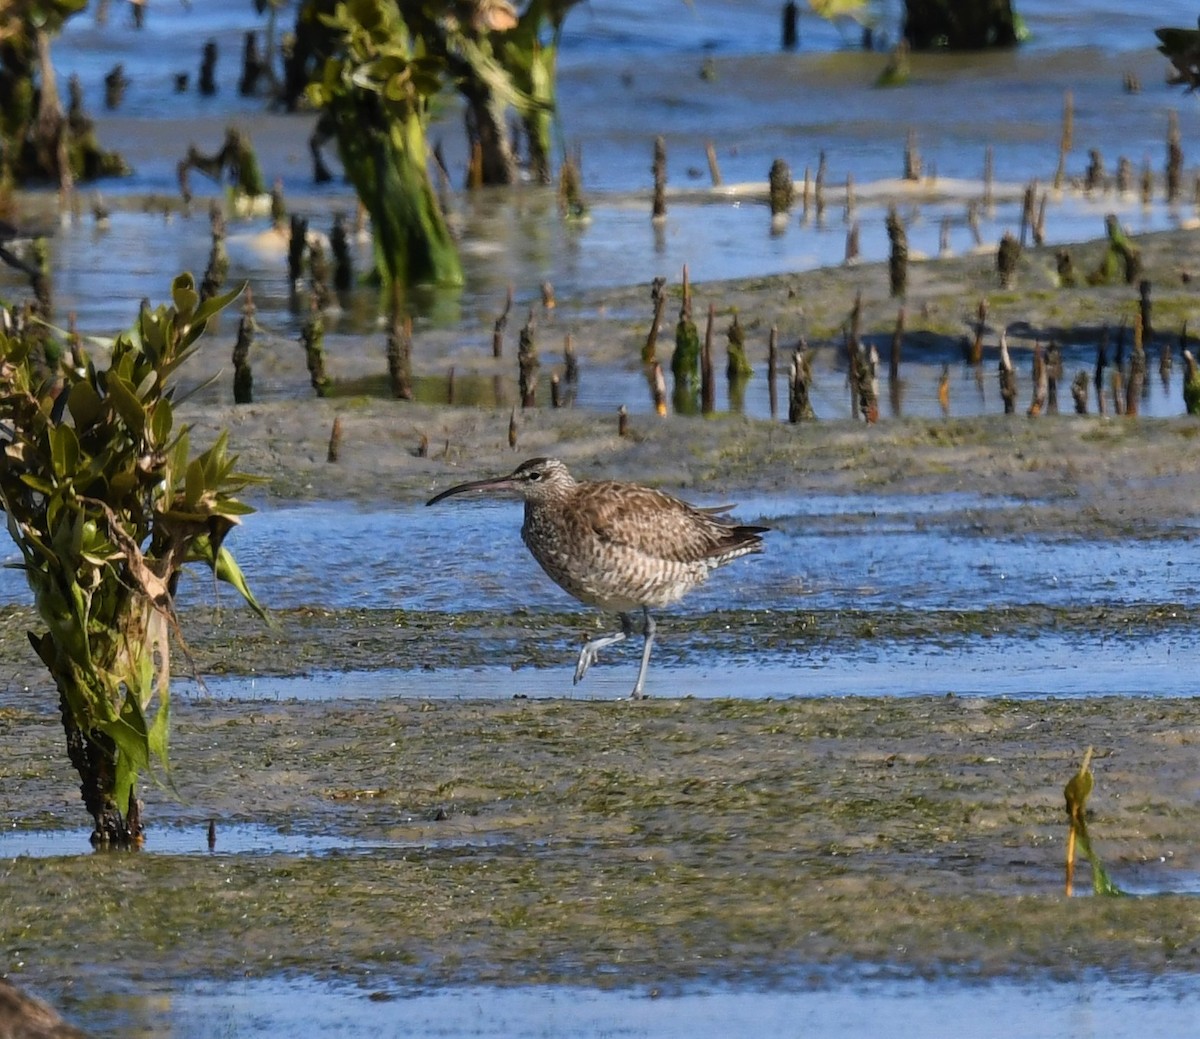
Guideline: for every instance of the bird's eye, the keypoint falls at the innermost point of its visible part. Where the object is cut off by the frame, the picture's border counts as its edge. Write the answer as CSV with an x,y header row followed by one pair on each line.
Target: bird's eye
x,y
535,475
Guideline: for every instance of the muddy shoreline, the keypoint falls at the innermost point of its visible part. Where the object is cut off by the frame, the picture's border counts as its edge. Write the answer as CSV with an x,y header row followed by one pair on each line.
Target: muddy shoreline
x,y
1090,469
670,841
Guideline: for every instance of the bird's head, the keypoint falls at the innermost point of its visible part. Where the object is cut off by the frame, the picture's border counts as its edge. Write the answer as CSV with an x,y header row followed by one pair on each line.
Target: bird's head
x,y
536,480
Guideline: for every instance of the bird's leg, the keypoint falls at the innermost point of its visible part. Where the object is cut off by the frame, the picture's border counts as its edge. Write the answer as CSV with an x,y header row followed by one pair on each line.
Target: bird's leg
x,y
587,655
648,634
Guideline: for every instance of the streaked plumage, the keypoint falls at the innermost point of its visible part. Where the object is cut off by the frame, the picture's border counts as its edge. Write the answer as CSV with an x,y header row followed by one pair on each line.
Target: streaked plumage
x,y
617,546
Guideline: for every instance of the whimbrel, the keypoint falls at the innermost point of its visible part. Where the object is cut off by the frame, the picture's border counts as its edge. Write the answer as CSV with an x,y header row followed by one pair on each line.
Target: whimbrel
x,y
618,546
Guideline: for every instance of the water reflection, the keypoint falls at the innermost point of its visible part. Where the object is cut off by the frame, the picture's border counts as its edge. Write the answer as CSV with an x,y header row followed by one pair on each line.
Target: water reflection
x,y
228,839
103,276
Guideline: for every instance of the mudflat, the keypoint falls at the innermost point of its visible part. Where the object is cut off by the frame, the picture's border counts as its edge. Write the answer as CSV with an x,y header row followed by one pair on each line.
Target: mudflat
x,y
659,841
638,842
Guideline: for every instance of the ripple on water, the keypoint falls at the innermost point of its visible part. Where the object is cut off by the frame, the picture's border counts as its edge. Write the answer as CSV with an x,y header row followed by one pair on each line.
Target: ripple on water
x,y
469,557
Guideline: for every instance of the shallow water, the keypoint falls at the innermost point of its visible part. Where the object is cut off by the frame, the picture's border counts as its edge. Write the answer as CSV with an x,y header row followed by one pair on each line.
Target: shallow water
x,y
825,553
103,274
231,839
618,59
928,554
912,1010
1035,666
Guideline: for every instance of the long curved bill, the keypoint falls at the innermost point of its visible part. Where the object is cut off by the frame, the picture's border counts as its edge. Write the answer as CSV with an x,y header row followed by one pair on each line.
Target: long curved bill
x,y
501,484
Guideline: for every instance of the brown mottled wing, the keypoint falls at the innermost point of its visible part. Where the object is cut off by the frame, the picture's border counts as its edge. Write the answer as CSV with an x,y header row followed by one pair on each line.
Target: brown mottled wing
x,y
660,525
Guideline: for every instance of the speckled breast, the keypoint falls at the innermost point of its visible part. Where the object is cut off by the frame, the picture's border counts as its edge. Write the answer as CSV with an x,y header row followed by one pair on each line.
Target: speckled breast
x,y
601,573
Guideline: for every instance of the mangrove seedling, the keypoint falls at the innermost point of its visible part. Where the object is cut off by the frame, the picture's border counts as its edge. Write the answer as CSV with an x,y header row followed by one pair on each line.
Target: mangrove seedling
x,y
1191,383
1121,257
1076,792
236,160
375,87
38,140
107,503
685,361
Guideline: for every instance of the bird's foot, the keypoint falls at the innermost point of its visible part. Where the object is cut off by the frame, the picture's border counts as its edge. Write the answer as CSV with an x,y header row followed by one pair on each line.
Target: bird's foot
x,y
587,657
591,650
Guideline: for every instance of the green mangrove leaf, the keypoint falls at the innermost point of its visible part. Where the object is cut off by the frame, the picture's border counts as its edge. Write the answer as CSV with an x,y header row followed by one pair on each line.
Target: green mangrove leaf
x,y
16,351
38,483
120,392
64,451
195,483
177,458
161,421
226,569
85,404
398,87
1102,883
427,76
146,384
185,297
77,534
128,732
232,507
367,13
210,307
158,733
